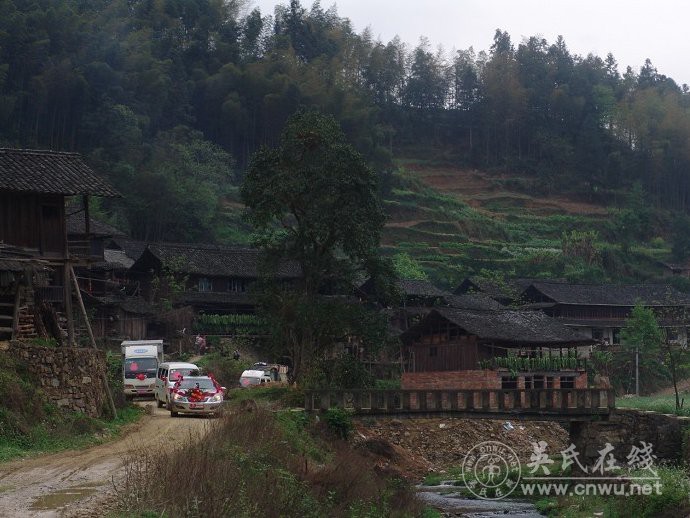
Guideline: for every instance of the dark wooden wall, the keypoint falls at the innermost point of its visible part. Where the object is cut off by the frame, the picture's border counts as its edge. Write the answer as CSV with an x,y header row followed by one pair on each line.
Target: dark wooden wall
x,y
463,353
34,221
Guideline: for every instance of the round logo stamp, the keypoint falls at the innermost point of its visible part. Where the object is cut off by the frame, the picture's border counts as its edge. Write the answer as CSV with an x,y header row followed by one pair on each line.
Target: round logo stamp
x,y
491,470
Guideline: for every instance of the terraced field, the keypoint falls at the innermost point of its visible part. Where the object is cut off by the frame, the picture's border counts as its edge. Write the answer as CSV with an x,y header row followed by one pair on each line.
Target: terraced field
x,y
457,222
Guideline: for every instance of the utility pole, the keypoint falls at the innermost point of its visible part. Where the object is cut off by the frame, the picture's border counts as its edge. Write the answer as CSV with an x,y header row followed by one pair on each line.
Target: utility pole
x,y
637,370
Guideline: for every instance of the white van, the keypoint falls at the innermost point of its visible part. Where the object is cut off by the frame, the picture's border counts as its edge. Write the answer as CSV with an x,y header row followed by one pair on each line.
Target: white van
x,y
168,374
140,361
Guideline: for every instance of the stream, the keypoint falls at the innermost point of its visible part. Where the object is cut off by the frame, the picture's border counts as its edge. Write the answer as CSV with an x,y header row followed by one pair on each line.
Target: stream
x,y
455,504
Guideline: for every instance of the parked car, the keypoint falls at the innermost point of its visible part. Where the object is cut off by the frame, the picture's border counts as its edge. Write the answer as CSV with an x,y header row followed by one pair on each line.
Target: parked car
x,y
252,378
196,395
168,373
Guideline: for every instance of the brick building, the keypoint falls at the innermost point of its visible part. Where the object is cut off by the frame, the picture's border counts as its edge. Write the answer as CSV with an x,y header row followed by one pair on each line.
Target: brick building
x,y
463,348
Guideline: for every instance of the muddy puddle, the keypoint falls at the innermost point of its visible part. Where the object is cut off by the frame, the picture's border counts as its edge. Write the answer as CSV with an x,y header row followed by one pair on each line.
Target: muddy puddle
x,y
63,497
445,500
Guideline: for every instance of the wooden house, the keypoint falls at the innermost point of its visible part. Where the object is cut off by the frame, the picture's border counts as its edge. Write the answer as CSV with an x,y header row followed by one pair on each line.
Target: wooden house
x,y
416,297
210,278
599,311
507,292
454,348
34,186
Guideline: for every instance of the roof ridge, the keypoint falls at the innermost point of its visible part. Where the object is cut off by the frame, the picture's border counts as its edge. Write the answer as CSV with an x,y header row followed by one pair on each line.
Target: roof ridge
x,y
38,151
201,246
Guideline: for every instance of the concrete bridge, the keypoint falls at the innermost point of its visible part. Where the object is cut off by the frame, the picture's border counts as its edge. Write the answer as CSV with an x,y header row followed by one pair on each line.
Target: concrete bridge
x,y
589,415
538,404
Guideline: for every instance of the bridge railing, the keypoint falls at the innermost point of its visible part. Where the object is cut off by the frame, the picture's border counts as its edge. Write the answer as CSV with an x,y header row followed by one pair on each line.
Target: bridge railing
x,y
483,401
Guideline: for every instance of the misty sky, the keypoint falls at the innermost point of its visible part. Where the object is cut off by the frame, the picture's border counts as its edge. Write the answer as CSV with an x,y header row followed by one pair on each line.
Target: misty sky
x,y
631,30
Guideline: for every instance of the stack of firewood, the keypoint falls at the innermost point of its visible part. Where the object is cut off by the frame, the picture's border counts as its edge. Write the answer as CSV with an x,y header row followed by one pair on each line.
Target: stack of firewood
x,y
25,325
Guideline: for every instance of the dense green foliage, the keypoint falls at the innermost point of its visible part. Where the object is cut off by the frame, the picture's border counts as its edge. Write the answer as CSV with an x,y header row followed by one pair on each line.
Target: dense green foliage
x,y
643,337
314,202
170,99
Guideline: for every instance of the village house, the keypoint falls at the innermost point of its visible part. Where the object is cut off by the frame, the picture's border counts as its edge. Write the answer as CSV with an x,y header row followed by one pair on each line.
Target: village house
x,y
599,311
454,348
506,292
36,252
416,297
209,278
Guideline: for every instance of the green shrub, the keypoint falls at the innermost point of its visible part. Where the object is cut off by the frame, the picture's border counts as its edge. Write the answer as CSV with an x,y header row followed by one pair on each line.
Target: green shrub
x,y
339,421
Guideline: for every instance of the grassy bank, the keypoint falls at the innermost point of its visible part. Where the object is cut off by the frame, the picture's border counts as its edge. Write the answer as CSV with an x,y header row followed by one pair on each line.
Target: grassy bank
x,y
30,425
672,501
58,431
265,463
663,404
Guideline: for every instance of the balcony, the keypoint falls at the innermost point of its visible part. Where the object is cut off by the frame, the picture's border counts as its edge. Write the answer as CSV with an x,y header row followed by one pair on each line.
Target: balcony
x,y
85,249
51,293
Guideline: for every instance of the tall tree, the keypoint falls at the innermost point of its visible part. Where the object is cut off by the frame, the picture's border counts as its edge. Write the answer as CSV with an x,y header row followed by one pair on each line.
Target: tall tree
x,y
643,339
314,200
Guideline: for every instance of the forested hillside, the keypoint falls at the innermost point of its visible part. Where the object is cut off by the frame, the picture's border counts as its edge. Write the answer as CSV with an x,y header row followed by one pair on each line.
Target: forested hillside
x,y
169,98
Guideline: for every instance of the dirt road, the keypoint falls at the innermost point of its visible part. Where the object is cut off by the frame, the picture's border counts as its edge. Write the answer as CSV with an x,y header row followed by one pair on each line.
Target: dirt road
x,y
76,483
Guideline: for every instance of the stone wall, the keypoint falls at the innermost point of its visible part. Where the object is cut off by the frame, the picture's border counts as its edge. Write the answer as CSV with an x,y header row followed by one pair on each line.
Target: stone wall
x,y
626,428
71,377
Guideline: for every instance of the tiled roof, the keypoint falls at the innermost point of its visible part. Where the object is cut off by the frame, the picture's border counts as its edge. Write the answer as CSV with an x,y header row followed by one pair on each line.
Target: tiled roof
x,y
8,265
419,288
76,225
130,304
409,287
130,247
216,261
215,297
508,289
117,258
477,301
51,172
611,294
527,327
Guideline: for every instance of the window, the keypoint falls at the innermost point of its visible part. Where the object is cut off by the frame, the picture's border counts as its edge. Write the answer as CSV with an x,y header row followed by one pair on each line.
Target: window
x,y
205,284
534,382
616,332
549,382
433,352
237,285
509,383
672,334
567,382
598,333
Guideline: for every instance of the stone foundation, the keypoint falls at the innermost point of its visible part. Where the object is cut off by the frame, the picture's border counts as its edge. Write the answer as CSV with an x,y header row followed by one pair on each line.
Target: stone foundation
x,y
71,377
627,428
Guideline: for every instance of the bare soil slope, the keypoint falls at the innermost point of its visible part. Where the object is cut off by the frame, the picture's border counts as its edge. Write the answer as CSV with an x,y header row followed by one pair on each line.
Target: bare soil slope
x,y
480,188
439,444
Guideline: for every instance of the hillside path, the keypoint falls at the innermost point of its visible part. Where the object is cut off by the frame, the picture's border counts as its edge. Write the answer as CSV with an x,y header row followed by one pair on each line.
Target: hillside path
x,y
77,483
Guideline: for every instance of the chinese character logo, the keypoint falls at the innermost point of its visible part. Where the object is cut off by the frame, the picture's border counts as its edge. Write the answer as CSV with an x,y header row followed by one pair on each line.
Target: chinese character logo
x,y
491,470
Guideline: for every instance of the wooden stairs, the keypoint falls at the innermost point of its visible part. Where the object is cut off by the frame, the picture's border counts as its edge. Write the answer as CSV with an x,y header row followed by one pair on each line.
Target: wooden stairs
x,y
8,314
